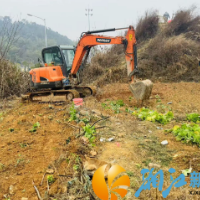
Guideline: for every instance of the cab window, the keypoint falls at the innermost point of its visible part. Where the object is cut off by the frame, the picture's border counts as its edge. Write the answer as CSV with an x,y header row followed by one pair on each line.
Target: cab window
x,y
69,57
52,55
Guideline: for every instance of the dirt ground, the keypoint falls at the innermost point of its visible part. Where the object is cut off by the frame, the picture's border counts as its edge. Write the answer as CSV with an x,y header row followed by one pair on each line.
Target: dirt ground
x,y
25,155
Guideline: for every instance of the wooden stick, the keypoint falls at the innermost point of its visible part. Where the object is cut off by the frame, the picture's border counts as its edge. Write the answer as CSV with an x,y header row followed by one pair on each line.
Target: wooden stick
x,y
37,191
99,120
42,179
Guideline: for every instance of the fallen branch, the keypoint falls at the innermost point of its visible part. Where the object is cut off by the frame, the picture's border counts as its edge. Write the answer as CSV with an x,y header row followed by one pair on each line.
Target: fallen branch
x,y
42,179
99,120
37,191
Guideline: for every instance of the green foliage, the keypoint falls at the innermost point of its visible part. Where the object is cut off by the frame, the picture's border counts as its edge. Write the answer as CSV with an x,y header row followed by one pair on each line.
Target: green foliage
x,y
90,132
188,133
194,117
27,48
130,173
114,105
153,116
75,167
11,129
23,145
50,179
72,113
35,126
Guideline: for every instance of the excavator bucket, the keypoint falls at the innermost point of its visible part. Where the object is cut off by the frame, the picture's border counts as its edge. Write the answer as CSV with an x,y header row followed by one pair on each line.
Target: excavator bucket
x,y
142,89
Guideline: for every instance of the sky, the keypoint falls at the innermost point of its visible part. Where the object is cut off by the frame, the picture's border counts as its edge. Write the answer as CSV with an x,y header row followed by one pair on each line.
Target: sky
x,y
68,16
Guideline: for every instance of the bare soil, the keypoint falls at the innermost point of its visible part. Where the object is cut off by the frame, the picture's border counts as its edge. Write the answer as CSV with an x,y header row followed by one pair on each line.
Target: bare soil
x,y
25,156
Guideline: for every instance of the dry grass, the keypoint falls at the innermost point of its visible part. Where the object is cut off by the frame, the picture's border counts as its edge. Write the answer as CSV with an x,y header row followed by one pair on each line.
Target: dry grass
x,y
12,80
170,58
185,22
147,26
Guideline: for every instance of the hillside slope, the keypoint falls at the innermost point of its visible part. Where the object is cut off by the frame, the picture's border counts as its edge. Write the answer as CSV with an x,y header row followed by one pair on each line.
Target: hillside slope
x,y
31,40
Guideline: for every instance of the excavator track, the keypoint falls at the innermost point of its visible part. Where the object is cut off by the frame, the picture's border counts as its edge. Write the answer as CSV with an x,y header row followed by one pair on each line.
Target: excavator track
x,y
57,96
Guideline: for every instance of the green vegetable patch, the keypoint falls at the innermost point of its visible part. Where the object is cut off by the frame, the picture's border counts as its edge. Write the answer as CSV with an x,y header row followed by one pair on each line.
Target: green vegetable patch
x,y
193,117
153,116
188,133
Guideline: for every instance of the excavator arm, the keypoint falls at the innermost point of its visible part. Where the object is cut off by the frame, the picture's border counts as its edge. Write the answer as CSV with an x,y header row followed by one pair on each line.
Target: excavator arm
x,y
88,40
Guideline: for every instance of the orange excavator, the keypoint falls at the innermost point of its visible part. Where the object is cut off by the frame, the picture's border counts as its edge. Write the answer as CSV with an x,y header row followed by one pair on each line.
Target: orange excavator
x,y
58,79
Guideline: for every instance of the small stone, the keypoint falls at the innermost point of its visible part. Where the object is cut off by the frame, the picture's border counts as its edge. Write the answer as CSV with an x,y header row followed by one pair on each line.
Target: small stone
x,y
153,165
111,139
102,139
11,189
169,103
164,142
150,131
24,198
49,171
77,115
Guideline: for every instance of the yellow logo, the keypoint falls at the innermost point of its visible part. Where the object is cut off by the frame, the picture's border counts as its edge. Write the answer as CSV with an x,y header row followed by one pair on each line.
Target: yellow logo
x,y
107,191
130,37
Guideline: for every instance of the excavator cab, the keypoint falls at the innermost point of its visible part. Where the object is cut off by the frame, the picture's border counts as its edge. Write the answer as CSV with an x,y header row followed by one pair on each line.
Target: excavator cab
x,y
57,66
59,56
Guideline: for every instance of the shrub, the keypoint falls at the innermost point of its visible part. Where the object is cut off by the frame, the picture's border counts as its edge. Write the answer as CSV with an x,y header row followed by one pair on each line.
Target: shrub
x,y
12,80
147,26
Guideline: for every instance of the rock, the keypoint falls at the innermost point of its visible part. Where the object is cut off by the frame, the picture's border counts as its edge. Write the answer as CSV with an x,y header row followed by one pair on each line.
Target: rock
x,y
102,139
141,89
84,112
169,103
111,139
153,165
93,153
91,165
77,115
121,135
50,171
164,142
81,124
11,190
24,198
150,131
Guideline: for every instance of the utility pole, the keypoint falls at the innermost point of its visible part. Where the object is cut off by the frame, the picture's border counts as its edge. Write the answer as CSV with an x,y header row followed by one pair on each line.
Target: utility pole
x,y
89,13
45,28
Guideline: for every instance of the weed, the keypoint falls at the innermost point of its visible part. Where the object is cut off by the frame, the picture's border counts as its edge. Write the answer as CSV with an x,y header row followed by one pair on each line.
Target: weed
x,y
89,132
105,106
40,115
23,145
2,166
75,167
11,129
72,113
35,126
50,179
130,173
19,160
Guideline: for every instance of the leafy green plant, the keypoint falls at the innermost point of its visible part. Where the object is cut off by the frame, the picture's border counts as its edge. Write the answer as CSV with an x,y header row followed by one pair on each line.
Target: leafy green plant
x,y
72,113
153,116
105,106
35,126
194,117
75,167
188,133
2,166
22,145
50,179
89,132
130,173
11,129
